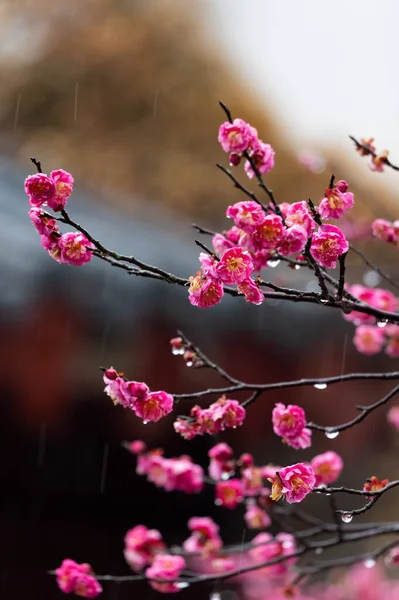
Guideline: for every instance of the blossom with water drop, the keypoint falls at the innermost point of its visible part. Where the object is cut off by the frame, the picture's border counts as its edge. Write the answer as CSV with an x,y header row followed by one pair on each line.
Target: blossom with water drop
x,y
247,215
166,566
262,157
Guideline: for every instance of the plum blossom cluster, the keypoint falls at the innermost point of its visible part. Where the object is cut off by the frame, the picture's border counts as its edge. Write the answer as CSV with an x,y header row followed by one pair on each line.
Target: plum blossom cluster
x,y
259,234
221,415
71,248
372,336
136,395
78,579
238,138
170,474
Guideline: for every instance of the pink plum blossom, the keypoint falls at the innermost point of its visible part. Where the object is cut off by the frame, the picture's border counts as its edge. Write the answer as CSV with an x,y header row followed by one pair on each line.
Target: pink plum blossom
x,y
289,422
77,578
293,241
247,215
75,248
205,536
375,297
262,156
269,235
328,243
229,413
184,476
378,162
42,221
256,518
40,188
187,428
336,202
208,266
204,291
392,558
369,339
63,189
252,293
392,347
252,481
141,546
266,547
327,467
115,388
236,136
220,465
260,259
137,447
298,213
393,416
154,406
229,493
294,482
220,243
385,231
235,266
179,474
165,566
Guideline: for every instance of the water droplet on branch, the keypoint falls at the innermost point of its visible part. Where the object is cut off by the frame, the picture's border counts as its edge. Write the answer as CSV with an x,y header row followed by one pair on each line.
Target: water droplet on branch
x,y
346,517
273,263
319,551
320,386
331,435
182,584
382,323
369,563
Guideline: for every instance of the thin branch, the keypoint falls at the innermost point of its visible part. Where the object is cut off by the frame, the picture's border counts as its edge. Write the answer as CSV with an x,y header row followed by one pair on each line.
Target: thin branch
x,y
341,282
364,411
369,151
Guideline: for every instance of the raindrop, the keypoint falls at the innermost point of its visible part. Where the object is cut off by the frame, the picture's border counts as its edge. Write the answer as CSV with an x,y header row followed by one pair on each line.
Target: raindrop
x,y
369,563
319,551
346,517
226,475
320,386
215,596
382,323
273,263
189,363
327,494
234,427
323,301
297,267
145,422
178,351
331,435
182,584
218,502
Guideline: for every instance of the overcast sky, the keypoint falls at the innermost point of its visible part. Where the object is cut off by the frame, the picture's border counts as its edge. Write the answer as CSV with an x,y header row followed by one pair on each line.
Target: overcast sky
x,y
329,68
